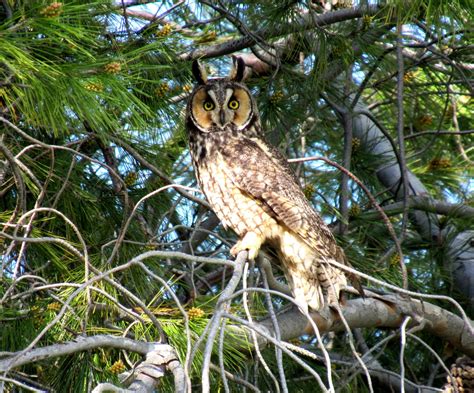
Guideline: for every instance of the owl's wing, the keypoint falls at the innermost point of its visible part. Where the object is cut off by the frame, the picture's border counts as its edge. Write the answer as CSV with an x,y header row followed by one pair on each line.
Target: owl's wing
x,y
262,172
258,170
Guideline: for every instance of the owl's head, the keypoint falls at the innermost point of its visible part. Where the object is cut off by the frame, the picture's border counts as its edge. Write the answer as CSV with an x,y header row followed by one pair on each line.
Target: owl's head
x,y
221,103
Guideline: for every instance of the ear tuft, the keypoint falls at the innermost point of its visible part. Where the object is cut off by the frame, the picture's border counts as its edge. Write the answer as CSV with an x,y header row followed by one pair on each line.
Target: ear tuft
x,y
199,72
238,71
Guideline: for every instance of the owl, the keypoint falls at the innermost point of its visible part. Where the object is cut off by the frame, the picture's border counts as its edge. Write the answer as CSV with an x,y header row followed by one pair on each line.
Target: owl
x,y
253,191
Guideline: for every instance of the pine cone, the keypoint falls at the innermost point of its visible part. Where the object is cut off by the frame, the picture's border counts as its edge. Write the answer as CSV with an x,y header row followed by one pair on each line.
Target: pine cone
x,y
463,373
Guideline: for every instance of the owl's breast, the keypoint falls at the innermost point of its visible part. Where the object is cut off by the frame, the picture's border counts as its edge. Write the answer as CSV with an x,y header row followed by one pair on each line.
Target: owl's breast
x,y
236,209
222,194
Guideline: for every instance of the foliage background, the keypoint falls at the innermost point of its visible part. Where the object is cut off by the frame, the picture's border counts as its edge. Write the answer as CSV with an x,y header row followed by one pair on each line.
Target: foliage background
x,y
92,96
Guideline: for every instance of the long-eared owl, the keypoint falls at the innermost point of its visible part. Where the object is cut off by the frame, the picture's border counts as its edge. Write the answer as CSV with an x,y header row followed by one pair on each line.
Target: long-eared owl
x,y
251,188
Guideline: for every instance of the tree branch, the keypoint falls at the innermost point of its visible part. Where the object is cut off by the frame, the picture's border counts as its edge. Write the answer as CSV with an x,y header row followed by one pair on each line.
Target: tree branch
x,y
427,205
386,311
219,310
17,359
306,22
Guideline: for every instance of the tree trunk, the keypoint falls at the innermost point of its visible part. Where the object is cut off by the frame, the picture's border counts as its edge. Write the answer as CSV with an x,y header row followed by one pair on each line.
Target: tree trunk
x,y
459,255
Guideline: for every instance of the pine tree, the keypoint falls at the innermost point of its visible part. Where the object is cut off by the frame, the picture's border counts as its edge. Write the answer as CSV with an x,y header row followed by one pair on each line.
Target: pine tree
x,y
111,257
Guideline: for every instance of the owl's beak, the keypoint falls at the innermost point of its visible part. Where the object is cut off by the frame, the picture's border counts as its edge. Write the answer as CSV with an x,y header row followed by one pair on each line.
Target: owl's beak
x,y
222,118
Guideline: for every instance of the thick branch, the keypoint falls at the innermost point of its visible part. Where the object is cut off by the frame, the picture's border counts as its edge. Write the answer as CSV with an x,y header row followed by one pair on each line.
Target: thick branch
x,y
382,312
306,22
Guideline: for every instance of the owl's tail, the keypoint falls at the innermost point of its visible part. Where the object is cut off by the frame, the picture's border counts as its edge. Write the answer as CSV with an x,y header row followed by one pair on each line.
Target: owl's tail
x,y
332,281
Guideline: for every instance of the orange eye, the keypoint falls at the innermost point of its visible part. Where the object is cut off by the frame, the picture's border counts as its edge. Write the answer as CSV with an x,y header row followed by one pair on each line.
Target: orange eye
x,y
233,104
208,105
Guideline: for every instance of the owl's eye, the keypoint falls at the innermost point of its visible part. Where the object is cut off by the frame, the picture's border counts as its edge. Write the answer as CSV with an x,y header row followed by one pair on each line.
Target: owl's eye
x,y
233,104
208,105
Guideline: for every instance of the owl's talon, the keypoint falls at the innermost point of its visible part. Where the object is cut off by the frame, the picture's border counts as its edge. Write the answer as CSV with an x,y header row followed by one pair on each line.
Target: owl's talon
x,y
251,242
236,249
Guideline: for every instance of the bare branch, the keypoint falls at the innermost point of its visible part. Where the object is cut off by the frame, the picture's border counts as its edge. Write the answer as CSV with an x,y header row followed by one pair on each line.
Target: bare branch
x,y
17,359
214,323
425,204
384,311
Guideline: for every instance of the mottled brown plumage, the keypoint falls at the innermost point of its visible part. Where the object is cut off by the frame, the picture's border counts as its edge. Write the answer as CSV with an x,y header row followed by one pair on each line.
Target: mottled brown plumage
x,y
253,191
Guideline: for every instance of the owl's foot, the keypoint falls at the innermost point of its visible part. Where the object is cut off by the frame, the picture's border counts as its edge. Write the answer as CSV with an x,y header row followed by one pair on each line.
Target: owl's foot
x,y
251,242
